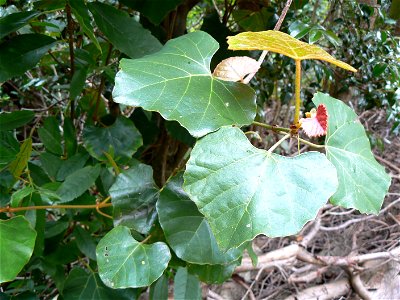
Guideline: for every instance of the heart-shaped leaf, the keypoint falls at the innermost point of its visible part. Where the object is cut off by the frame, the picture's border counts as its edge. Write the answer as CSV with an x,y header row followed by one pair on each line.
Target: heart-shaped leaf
x,y
363,182
134,194
244,191
279,42
177,83
121,139
17,240
186,229
124,262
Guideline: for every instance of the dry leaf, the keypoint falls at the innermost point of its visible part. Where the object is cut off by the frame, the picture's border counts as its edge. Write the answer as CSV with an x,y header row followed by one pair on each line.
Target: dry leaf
x,y
236,68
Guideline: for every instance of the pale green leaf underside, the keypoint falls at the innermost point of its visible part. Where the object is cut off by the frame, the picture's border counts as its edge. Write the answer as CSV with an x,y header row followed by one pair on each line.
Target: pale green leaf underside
x,y
363,182
244,191
124,262
185,228
177,82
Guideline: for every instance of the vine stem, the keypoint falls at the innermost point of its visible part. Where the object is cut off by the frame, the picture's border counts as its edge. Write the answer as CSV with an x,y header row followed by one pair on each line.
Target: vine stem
x,y
70,30
311,144
276,145
297,91
271,127
96,206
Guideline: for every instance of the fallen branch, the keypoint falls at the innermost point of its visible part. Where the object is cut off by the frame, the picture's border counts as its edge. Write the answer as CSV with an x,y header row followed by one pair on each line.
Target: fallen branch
x,y
325,291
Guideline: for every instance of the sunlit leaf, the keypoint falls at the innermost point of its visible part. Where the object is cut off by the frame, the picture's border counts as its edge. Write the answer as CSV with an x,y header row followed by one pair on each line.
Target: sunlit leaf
x,y
279,42
363,182
124,262
177,82
244,191
17,240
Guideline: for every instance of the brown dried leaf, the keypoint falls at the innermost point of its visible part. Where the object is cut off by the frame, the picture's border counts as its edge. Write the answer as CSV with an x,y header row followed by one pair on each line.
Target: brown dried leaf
x,y
235,68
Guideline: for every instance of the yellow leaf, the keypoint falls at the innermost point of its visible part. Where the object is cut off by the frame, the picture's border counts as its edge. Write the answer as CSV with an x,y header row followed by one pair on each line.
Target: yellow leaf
x,y
279,42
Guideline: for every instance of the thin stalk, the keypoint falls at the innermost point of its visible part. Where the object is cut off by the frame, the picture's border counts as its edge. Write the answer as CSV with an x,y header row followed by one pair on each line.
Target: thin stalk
x,y
271,127
297,92
311,144
39,207
70,30
276,145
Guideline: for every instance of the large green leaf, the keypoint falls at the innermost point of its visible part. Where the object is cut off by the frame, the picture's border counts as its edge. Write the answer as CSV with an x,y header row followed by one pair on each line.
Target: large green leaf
x,y
18,165
17,240
50,135
154,10
134,194
15,119
81,13
15,21
186,229
78,182
124,32
26,49
244,191
81,285
124,262
177,82
120,140
186,286
363,183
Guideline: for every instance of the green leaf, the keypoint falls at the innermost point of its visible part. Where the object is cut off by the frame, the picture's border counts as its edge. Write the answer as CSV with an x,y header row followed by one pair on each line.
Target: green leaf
x,y
81,13
50,135
186,229
69,166
17,197
214,274
298,29
18,165
81,285
159,289
78,82
124,32
154,10
70,142
177,83
17,240
77,183
363,182
15,119
85,242
124,262
15,21
186,286
244,191
26,49
51,164
134,194
9,147
121,139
